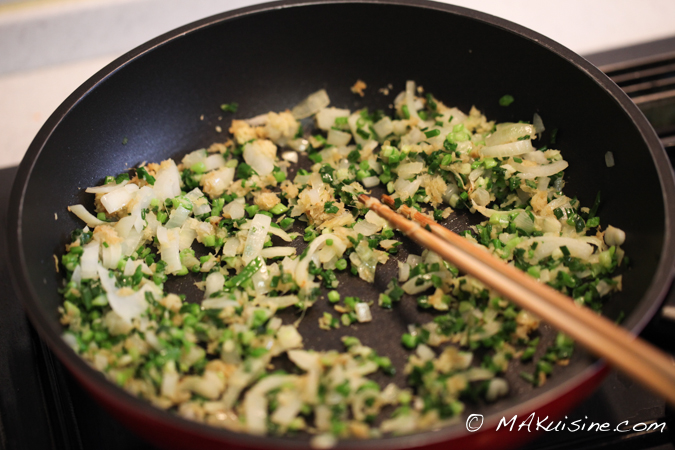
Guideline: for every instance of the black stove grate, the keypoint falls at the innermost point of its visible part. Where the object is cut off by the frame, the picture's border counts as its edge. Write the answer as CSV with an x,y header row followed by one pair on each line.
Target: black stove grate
x,y
646,73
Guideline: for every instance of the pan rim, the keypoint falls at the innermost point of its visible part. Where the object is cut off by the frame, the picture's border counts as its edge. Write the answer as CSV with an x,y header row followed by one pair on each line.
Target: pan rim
x,y
643,312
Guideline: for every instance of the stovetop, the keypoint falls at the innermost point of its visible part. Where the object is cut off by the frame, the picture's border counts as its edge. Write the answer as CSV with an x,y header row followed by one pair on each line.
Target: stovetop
x,y
43,407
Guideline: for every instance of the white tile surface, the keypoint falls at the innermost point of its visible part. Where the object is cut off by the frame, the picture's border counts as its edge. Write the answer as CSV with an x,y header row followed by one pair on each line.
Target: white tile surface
x,y
29,98
43,60
586,26
46,32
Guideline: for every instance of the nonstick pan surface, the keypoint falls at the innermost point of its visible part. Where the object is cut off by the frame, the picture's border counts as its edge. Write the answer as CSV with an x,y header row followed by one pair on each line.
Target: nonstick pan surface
x,y
162,100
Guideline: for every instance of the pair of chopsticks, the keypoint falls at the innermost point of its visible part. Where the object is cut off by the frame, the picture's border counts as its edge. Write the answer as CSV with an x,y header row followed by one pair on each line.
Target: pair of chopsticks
x,y
627,353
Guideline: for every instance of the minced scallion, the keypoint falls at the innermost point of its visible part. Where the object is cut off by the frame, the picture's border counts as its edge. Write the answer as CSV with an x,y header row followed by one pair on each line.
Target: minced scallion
x,y
257,235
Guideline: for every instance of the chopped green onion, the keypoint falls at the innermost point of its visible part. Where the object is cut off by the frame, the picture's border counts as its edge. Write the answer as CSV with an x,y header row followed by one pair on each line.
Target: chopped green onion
x,y
506,100
230,107
279,208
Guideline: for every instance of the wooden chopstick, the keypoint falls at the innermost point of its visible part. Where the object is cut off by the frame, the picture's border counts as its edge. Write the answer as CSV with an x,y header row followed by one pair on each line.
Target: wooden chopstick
x,y
644,363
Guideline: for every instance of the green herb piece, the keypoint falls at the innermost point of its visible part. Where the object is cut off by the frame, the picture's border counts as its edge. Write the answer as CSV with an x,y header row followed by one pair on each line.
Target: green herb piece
x,y
409,341
246,273
279,208
144,175
506,100
286,223
251,210
230,107
432,133
121,177
244,171
330,208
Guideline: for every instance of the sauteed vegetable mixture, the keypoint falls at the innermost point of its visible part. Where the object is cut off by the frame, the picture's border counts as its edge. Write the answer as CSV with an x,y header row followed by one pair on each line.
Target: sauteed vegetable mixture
x,y
213,215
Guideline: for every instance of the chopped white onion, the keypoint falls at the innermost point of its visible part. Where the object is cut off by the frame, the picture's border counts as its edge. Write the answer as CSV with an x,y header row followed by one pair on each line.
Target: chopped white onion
x,y
167,181
369,182
257,234
219,303
214,162
367,261
411,286
132,237
425,352
111,255
353,122
363,313
118,199
325,119
338,138
282,301
413,137
538,124
405,188
301,270
614,236
255,402
87,217
498,387
128,307
142,200
551,225
509,132
287,335
543,170
451,190
301,179
230,247
178,217
233,210
260,156
366,228
383,127
186,238
548,244
524,222
311,105
609,159
275,252
195,157
202,209
280,233
480,196
408,170
511,149
89,260
413,260
169,241
105,188
258,120
214,283
290,156
410,99
536,156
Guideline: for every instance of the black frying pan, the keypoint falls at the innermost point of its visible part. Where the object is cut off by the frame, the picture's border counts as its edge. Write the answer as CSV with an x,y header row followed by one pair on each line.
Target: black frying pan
x,y
269,57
